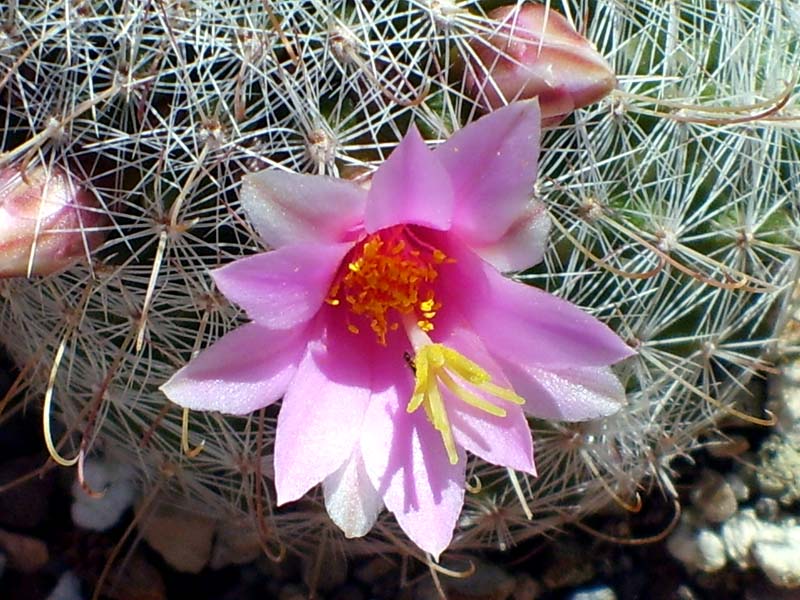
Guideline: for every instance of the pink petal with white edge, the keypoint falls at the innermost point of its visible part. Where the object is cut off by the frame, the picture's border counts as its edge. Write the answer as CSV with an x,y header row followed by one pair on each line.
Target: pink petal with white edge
x,y
244,370
525,325
351,500
504,441
523,245
290,208
283,288
320,419
407,463
576,394
410,187
492,164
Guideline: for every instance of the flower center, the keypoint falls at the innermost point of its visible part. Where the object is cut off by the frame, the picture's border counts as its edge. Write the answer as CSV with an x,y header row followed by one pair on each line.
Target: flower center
x,y
391,269
437,364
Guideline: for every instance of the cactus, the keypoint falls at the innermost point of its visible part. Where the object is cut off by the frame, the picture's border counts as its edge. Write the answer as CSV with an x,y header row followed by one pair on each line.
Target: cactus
x,y
674,205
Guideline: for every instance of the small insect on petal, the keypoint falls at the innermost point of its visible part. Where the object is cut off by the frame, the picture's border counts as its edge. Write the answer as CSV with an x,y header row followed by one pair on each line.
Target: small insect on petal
x,y
47,221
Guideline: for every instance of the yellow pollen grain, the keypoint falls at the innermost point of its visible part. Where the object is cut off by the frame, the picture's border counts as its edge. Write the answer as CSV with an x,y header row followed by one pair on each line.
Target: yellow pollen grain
x,y
426,326
389,275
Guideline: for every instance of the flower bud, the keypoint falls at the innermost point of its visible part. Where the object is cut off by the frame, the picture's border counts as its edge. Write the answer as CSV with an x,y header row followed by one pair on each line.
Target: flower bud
x,y
46,221
535,52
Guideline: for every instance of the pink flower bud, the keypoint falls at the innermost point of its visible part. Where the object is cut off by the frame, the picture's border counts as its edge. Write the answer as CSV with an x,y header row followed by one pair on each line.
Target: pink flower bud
x,y
46,221
536,52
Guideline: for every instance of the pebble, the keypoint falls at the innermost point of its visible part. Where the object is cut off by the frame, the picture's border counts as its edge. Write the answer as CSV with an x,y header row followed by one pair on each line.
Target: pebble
x,y
326,572
293,592
779,472
786,403
527,588
138,580
684,592
711,551
714,497
113,482
738,534
699,550
348,592
596,593
741,490
682,545
569,567
767,509
182,538
774,547
374,569
25,553
68,587
779,559
26,505
236,542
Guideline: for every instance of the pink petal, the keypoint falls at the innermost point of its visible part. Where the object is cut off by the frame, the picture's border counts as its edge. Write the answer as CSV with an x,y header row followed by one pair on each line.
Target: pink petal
x,y
502,441
350,498
244,370
289,208
522,324
576,394
523,245
320,419
283,288
492,164
410,187
407,463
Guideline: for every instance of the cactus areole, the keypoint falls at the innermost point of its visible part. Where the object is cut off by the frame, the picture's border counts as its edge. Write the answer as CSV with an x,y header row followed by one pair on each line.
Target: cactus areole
x,y
382,319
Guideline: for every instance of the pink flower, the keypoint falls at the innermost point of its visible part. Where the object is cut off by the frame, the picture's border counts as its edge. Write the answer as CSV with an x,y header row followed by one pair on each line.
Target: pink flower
x,y
536,52
382,320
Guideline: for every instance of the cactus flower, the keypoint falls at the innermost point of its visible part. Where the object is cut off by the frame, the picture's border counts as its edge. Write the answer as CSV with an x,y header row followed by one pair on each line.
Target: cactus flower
x,y
383,321
536,52
47,222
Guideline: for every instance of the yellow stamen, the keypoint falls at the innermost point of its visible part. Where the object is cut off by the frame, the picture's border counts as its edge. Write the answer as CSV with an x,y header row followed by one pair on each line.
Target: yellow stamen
x,y
437,363
390,270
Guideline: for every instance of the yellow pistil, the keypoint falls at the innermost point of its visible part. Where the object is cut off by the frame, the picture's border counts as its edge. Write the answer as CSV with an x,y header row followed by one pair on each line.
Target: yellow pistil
x,y
390,270
437,364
